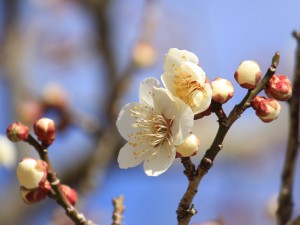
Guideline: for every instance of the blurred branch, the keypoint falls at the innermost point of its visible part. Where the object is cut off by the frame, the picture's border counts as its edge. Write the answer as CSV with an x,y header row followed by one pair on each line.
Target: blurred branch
x,y
118,210
295,222
285,198
186,209
106,149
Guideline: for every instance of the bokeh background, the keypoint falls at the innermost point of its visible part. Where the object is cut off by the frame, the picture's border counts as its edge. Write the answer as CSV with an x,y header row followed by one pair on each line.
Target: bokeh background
x,y
79,61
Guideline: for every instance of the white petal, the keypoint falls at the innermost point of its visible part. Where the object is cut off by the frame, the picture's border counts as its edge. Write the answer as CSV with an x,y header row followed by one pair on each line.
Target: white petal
x,y
174,108
183,123
201,100
168,81
194,70
164,102
8,152
158,163
127,158
125,120
175,57
146,88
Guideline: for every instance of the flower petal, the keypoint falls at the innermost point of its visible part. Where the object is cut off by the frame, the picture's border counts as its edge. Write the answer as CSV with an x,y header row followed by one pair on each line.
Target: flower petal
x,y
175,57
146,87
164,102
125,120
183,123
159,162
194,70
128,158
201,99
168,81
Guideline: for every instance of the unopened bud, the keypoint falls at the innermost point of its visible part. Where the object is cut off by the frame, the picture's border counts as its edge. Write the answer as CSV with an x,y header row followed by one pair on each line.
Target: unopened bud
x,y
17,132
266,109
189,147
222,90
279,87
144,55
248,74
55,96
30,196
44,129
70,193
32,173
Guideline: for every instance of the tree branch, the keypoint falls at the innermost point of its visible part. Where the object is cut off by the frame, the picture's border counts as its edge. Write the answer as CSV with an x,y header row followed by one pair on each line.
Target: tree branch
x,y
186,209
285,198
57,192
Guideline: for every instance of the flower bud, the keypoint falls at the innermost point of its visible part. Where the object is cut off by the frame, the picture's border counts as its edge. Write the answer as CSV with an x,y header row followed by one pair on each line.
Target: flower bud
x,y
8,153
30,196
189,147
44,129
70,193
266,109
29,111
55,96
17,132
32,173
222,90
279,87
144,55
248,74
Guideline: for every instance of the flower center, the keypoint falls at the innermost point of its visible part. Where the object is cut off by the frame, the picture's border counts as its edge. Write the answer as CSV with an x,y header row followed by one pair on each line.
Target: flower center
x,y
185,88
154,129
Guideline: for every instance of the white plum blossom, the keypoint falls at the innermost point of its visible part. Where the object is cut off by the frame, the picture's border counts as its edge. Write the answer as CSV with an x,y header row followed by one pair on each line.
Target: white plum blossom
x,y
153,127
185,79
8,153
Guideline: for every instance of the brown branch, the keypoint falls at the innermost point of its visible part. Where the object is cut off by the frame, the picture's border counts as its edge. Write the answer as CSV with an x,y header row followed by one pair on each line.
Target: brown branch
x,y
186,209
285,198
118,210
57,192
295,221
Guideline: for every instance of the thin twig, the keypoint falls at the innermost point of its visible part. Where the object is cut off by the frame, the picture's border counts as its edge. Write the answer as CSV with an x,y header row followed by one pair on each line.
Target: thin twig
x,y
118,210
285,198
186,209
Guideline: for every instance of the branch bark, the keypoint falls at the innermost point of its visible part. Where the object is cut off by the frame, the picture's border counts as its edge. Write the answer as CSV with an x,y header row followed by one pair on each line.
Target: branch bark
x,y
285,198
186,209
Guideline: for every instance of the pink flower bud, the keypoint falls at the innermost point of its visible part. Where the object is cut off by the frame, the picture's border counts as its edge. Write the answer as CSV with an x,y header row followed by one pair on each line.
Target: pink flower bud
x,y
55,96
144,55
32,173
189,147
70,193
266,109
222,90
248,74
30,196
279,87
44,129
17,132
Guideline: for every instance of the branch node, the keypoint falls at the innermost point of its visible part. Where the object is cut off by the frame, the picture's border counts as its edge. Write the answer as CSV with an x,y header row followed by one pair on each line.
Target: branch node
x,y
206,164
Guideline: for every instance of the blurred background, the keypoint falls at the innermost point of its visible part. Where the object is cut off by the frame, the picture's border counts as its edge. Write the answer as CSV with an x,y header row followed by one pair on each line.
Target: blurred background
x,y
79,61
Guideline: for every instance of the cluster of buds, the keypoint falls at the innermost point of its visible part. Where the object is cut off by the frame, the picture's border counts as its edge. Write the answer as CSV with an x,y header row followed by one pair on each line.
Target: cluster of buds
x,y
44,129
32,173
32,176
278,88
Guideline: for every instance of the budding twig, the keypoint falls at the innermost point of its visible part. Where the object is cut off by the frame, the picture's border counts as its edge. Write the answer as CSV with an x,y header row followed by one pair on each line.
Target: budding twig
x,y
57,192
184,212
285,198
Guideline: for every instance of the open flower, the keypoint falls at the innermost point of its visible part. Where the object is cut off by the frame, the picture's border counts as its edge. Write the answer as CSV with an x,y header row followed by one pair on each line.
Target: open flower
x,y
153,127
186,80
